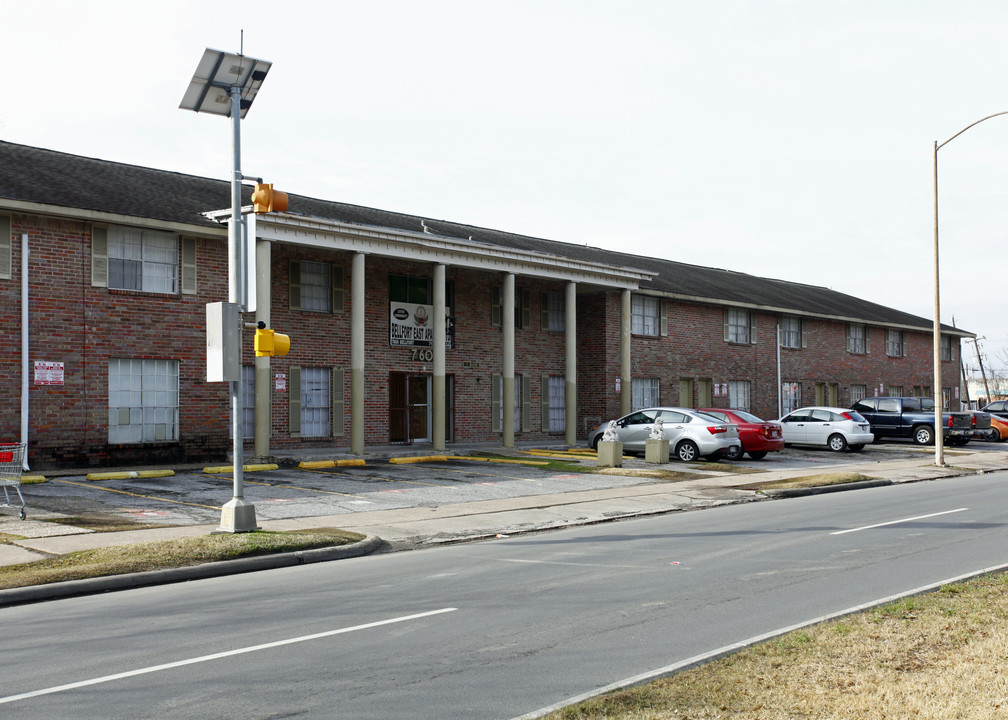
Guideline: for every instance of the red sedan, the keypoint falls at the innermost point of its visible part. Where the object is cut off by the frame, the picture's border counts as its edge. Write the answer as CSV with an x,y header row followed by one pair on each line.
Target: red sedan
x,y
758,436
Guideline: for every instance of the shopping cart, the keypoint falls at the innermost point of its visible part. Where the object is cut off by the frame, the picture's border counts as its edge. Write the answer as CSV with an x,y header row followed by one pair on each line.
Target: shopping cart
x,y
11,464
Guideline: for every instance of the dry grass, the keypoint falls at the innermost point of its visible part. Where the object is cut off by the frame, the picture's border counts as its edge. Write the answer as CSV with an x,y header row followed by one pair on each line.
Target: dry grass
x,y
807,481
932,657
181,552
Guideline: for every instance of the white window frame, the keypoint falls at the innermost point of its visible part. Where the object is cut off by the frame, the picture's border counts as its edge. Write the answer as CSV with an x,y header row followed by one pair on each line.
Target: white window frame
x,y
248,402
790,396
946,348
857,339
738,326
316,401
143,260
858,392
644,315
791,332
895,343
556,312
557,403
645,393
143,401
739,394
316,286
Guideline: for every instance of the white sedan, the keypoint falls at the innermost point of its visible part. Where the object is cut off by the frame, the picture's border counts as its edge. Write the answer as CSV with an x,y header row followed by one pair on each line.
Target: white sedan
x,y
837,428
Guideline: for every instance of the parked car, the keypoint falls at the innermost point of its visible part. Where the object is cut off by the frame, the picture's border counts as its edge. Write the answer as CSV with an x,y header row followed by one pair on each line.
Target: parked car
x,y
981,423
998,431
758,436
914,417
998,407
836,428
691,434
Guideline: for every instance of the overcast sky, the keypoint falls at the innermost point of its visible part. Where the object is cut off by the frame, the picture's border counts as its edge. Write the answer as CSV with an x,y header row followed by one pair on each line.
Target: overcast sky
x,y
786,139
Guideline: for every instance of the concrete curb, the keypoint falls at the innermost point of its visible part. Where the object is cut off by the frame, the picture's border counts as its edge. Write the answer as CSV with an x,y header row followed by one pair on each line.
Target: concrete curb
x,y
91,586
823,489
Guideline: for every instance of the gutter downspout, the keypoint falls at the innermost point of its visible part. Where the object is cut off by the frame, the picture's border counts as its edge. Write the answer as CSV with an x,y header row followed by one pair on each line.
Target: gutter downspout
x,y
24,348
780,403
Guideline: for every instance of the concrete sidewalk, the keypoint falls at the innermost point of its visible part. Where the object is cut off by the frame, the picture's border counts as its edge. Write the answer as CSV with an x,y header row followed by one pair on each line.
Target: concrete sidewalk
x,y
426,526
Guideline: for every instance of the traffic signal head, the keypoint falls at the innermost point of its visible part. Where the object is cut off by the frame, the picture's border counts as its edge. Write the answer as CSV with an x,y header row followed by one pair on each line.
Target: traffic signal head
x,y
266,199
269,343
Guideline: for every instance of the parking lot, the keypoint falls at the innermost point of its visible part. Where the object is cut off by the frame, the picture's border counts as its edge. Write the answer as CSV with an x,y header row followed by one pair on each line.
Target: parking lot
x,y
195,496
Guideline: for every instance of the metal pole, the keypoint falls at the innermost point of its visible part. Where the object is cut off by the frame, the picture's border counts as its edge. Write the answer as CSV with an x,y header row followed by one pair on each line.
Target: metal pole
x,y
939,432
939,435
237,515
24,348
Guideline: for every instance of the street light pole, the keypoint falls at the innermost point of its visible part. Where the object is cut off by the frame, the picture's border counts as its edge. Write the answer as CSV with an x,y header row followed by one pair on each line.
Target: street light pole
x,y
939,433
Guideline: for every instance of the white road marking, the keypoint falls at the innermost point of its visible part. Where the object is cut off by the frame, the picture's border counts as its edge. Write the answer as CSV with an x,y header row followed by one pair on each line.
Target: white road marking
x,y
217,656
897,522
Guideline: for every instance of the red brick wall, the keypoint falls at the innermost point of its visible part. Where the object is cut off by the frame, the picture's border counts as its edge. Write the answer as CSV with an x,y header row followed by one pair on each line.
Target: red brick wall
x,y
84,326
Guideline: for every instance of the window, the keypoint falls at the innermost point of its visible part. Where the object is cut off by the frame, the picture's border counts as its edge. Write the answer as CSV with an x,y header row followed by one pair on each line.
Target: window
x,y
557,403
946,398
408,289
857,339
790,396
497,406
522,308
316,291
894,345
858,392
644,318
896,390
644,393
315,396
792,332
143,400
739,326
554,311
144,260
946,348
6,248
738,394
248,401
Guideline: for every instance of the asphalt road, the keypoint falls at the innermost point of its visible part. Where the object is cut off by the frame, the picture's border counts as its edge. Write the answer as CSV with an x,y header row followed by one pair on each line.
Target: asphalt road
x,y
495,629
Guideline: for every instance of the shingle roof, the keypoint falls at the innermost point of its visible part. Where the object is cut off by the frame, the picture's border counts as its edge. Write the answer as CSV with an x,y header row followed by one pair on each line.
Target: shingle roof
x,y
36,175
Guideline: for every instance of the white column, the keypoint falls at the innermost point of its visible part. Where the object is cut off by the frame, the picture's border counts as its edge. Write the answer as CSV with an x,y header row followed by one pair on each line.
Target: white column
x,y
357,400
263,388
570,351
507,376
438,381
625,330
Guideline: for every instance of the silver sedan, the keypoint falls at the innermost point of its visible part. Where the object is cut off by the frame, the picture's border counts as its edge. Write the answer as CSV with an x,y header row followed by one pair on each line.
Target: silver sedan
x,y
691,434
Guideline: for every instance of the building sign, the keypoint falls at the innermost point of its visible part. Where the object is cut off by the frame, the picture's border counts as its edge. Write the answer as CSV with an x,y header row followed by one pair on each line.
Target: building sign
x,y
280,382
412,325
48,373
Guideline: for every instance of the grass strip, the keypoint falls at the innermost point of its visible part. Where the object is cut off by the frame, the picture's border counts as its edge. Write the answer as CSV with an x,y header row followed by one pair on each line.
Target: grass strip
x,y
165,554
928,657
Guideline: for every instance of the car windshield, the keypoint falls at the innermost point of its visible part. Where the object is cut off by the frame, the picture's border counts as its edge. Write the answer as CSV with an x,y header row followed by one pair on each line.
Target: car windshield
x,y
748,416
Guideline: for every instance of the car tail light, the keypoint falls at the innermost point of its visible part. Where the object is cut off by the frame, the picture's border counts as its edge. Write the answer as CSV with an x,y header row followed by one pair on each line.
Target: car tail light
x,y
848,416
717,429
972,420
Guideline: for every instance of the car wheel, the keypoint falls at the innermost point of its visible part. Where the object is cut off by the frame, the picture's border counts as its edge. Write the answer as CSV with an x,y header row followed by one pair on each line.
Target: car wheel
x,y
856,447
735,453
758,455
687,451
996,435
596,441
923,435
837,442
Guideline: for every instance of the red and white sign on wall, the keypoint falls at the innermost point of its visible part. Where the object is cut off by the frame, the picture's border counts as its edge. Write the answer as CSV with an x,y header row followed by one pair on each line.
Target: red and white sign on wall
x,y
280,382
48,373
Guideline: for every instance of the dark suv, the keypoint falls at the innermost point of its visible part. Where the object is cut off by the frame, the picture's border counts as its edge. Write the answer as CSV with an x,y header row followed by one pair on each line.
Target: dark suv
x,y
998,407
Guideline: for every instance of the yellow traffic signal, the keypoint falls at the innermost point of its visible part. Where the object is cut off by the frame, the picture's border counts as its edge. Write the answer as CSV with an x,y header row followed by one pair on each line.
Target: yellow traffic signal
x,y
266,199
268,343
